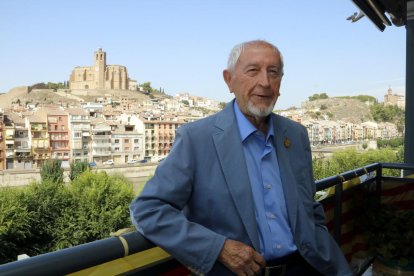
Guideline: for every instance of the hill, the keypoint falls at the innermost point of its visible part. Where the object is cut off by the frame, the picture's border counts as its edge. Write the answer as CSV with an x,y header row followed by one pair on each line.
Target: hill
x,y
23,95
339,109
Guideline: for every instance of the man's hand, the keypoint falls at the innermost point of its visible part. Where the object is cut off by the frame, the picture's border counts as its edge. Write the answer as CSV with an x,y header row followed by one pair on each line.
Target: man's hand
x,y
240,258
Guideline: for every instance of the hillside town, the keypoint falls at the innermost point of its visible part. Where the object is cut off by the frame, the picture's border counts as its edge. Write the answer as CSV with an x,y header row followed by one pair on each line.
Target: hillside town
x,y
101,132
104,124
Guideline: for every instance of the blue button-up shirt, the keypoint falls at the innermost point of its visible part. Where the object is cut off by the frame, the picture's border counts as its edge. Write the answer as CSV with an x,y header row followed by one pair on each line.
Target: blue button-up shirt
x,y
275,234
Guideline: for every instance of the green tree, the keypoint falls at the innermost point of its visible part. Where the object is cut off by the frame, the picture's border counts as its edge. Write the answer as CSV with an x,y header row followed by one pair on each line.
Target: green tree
x,y
47,216
45,201
15,224
350,159
146,87
51,170
320,96
394,143
99,207
389,113
330,115
77,168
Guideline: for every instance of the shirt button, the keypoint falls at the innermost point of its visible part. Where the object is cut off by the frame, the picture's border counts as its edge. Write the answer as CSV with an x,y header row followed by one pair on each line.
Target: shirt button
x,y
272,216
268,186
278,246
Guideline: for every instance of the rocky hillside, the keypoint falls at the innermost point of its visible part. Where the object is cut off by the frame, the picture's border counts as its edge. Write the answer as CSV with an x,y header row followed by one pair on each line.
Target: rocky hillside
x,y
23,96
343,109
339,109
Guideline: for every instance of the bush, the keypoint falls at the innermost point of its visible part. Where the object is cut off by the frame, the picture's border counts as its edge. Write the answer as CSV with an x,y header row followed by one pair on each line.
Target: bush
x,y
350,159
51,170
100,206
14,224
49,216
46,202
78,168
392,143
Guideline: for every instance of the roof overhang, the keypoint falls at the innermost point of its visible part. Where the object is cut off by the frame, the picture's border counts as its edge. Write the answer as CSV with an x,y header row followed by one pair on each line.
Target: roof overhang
x,y
384,12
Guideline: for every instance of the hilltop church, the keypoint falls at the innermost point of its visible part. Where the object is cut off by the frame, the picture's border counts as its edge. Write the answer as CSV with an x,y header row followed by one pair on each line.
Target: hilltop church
x,y
394,99
101,75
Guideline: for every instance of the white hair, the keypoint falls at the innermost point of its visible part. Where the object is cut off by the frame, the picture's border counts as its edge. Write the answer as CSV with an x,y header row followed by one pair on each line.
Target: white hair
x,y
239,48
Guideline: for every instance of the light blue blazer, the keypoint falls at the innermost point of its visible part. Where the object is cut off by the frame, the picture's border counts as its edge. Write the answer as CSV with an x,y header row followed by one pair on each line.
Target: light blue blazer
x,y
201,194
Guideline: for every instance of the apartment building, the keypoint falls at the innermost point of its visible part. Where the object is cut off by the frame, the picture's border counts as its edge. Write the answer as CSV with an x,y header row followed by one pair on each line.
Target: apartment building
x,y
128,139
159,137
58,128
80,135
2,155
370,130
39,135
101,141
23,158
126,145
8,142
387,130
313,131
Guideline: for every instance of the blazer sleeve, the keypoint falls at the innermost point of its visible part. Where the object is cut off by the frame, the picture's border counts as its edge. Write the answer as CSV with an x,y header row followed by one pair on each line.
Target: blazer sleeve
x,y
319,213
331,259
158,212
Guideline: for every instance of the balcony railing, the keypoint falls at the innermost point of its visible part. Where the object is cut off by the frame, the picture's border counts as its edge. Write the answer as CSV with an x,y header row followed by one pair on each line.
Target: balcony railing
x,y
131,253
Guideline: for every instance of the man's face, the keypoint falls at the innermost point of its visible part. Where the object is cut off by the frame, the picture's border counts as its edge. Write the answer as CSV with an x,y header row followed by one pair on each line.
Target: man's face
x,y
256,80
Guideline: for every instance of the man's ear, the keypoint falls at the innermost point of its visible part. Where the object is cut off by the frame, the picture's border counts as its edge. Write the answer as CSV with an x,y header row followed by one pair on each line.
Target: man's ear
x,y
227,78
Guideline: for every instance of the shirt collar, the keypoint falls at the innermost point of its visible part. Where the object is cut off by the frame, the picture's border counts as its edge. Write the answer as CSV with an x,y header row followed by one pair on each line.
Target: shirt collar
x,y
246,127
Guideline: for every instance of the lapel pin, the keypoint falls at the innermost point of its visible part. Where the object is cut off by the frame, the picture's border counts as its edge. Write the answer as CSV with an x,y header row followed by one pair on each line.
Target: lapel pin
x,y
287,143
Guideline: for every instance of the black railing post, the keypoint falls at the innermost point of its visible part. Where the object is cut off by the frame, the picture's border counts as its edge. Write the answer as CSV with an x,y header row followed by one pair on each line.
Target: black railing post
x,y
409,88
338,210
378,185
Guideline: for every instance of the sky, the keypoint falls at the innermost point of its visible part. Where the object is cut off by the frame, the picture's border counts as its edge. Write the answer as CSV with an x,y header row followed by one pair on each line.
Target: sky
x,y
182,46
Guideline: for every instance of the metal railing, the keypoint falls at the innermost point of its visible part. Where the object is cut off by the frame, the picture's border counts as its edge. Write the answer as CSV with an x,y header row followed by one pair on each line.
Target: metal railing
x,y
87,255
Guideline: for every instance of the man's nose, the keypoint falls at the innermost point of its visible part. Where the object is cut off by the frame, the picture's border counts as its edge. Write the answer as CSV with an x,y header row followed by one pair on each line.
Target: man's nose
x,y
264,79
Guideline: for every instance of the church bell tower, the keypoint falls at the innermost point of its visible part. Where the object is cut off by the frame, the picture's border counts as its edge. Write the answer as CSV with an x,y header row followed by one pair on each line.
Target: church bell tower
x,y
99,67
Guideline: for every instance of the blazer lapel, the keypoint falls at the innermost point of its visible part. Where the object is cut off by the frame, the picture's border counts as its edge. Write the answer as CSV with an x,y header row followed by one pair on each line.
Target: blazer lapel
x,y
286,173
230,152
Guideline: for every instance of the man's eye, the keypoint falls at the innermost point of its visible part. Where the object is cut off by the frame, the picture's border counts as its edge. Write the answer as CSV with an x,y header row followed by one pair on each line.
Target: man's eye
x,y
252,70
274,72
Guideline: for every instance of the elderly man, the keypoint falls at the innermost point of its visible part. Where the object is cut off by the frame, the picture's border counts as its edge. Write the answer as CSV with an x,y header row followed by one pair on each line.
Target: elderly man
x,y
236,193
